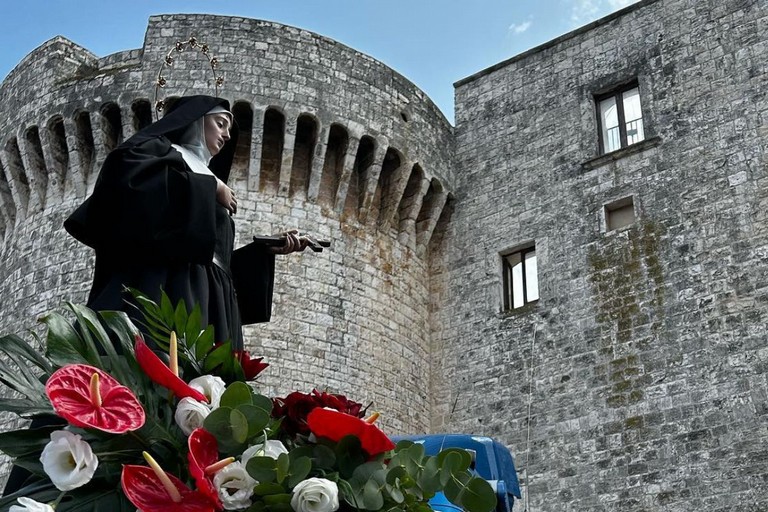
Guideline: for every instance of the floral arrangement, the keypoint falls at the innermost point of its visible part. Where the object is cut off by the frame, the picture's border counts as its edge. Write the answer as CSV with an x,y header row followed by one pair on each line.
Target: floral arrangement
x,y
120,426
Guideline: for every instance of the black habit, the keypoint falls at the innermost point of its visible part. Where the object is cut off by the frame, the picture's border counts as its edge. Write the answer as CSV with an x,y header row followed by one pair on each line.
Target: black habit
x,y
156,225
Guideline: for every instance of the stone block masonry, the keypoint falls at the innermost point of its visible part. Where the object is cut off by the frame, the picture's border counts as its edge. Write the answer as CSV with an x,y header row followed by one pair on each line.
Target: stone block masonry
x,y
637,382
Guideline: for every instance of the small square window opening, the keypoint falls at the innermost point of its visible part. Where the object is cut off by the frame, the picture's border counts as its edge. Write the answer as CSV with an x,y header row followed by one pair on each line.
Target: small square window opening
x,y
521,282
619,214
620,118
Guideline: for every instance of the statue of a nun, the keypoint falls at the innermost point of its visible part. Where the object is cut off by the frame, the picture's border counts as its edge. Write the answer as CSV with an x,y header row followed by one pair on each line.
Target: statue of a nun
x,y
160,218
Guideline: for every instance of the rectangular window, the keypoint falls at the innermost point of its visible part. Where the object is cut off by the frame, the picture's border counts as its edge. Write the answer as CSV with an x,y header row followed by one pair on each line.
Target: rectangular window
x,y
521,283
620,118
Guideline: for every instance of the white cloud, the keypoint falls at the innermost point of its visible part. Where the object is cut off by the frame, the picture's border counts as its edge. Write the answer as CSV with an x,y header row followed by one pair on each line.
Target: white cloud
x,y
586,11
620,4
519,28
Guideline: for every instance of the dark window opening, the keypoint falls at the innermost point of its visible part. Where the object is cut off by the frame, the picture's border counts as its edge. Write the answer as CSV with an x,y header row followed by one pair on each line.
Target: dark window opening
x,y
142,114
272,150
619,214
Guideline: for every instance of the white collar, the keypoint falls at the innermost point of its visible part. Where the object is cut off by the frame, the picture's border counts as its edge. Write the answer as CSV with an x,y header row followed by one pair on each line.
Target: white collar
x,y
192,160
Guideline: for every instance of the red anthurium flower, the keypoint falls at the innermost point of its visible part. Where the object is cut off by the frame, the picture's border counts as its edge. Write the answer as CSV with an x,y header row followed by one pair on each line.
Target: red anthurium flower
x,y
156,369
86,396
251,366
335,425
144,488
204,461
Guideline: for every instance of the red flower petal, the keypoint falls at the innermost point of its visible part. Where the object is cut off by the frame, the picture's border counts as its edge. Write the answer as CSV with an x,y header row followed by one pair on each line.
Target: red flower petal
x,y
156,369
69,390
203,451
335,425
251,367
142,487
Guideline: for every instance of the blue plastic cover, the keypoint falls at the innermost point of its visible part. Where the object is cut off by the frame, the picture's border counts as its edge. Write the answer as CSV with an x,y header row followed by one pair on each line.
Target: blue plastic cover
x,y
493,462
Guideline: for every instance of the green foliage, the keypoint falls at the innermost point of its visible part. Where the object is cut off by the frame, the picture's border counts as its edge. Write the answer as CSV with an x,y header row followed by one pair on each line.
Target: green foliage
x,y
402,480
199,353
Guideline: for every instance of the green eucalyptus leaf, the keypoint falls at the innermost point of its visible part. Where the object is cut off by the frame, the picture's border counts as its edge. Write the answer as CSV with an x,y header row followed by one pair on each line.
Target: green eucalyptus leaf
x,y
262,469
278,501
395,493
403,444
299,470
349,455
477,496
372,497
283,466
323,457
258,420
415,451
454,487
237,393
263,402
461,463
395,473
264,489
452,462
300,451
259,506
429,479
229,427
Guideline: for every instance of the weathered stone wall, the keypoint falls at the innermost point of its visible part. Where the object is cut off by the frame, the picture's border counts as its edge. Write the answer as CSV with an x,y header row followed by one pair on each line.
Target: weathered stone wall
x,y
644,361
332,142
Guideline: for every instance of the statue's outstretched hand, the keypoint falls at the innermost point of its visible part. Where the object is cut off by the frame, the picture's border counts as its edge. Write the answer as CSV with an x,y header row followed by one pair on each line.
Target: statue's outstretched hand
x,y
294,242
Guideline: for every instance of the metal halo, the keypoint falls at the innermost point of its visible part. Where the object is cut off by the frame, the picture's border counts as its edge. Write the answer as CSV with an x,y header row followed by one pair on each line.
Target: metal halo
x,y
179,47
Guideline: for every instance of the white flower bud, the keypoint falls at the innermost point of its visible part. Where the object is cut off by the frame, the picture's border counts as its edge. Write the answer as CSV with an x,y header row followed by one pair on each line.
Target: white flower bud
x,y
211,386
315,495
190,414
68,460
271,448
235,486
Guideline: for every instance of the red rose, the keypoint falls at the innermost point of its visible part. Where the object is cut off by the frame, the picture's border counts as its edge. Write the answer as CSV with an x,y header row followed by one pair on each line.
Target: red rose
x,y
295,408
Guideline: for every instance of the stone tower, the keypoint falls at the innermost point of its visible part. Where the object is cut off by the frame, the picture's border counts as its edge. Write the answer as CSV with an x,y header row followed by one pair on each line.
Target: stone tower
x,y
332,142
578,268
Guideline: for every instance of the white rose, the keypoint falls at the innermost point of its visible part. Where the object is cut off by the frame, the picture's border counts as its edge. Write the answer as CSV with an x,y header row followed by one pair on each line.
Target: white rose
x,y
271,449
190,414
212,387
315,495
30,505
68,460
235,486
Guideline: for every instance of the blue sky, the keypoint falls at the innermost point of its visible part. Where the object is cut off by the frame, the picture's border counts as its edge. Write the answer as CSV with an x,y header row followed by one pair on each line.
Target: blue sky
x,y
431,42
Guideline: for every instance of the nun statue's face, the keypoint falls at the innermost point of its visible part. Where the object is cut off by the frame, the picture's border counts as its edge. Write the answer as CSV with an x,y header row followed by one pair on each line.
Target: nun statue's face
x,y
216,131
